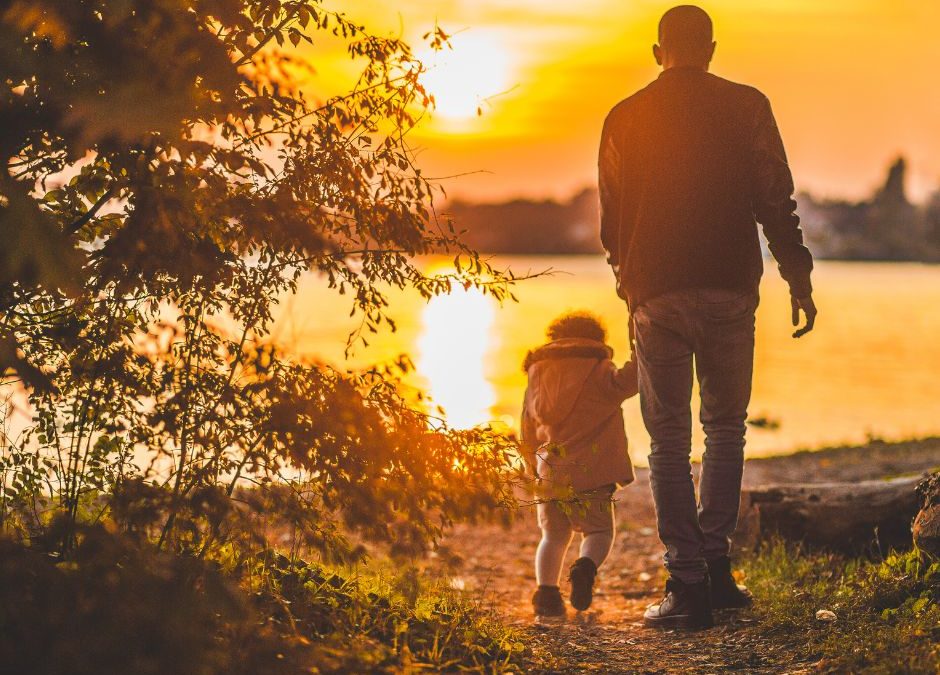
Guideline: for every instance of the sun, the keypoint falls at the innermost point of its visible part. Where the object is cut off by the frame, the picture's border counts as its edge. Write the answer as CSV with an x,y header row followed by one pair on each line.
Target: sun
x,y
465,76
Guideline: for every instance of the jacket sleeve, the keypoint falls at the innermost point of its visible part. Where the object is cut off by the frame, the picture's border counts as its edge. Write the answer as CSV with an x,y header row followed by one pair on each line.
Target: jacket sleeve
x,y
530,442
774,206
609,187
620,383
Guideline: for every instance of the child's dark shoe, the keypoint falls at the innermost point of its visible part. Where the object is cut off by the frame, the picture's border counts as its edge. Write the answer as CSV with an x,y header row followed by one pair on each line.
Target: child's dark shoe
x,y
548,605
726,593
581,576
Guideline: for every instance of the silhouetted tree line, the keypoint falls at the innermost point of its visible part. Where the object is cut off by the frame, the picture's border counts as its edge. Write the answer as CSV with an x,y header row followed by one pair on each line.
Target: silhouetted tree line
x,y
886,226
524,226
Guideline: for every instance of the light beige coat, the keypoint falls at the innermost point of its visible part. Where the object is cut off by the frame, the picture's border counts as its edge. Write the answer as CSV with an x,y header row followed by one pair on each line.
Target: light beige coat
x,y
572,424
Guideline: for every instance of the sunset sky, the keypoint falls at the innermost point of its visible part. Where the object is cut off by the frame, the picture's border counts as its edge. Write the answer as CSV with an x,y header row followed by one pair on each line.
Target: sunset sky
x,y
854,83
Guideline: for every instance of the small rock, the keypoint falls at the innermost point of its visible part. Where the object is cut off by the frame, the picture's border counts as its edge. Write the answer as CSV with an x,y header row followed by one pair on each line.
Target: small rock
x,y
644,576
825,615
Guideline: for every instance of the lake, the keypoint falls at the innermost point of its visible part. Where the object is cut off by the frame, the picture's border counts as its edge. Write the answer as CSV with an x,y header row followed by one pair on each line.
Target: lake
x,y
871,367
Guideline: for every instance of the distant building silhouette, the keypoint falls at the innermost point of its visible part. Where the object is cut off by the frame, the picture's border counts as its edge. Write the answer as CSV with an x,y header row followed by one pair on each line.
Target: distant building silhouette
x,y
886,227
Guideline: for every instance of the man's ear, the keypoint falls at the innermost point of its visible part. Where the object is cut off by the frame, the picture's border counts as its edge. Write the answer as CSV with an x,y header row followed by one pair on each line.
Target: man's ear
x,y
658,54
711,51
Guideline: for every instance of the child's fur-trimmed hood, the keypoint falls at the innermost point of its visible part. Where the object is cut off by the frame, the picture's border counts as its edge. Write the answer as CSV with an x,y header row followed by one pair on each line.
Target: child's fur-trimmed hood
x,y
568,348
558,372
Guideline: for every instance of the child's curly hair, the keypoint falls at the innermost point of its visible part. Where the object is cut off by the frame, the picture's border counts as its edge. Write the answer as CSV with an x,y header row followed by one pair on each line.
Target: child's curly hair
x,y
577,325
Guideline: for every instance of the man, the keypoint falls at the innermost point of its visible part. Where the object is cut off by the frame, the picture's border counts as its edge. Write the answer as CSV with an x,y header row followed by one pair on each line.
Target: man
x,y
688,166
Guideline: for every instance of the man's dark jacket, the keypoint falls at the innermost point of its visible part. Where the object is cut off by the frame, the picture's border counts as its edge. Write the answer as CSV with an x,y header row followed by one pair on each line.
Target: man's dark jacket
x,y
687,165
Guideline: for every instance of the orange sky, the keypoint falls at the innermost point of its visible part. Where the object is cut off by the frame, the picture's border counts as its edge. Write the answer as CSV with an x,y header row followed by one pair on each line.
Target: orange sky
x,y
854,83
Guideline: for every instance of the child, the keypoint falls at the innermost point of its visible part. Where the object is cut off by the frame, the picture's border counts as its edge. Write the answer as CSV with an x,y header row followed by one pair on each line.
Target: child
x,y
574,440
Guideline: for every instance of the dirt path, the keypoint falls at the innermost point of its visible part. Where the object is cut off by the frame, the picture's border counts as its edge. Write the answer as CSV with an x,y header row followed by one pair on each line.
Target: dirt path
x,y
610,638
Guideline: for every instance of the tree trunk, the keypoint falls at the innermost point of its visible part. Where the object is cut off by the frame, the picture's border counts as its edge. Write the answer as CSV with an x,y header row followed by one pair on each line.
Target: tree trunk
x,y
847,517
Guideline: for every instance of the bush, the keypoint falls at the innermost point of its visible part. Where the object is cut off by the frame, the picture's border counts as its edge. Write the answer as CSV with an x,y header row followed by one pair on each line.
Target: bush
x,y
137,308
114,608
119,607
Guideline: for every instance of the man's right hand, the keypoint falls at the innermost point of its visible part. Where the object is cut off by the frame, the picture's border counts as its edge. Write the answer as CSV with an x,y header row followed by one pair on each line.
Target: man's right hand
x,y
809,309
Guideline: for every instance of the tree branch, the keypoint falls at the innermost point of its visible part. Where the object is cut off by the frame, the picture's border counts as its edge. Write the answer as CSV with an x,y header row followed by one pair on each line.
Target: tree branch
x,y
246,58
79,223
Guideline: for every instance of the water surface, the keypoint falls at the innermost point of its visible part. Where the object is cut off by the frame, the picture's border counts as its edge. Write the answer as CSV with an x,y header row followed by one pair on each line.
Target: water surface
x,y
871,367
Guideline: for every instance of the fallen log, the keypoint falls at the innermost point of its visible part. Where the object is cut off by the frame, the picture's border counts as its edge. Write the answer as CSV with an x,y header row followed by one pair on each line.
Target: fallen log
x,y
859,517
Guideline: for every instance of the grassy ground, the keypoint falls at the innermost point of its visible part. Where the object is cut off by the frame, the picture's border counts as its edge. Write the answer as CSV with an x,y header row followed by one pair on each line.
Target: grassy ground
x,y
366,621
121,607
886,613
887,620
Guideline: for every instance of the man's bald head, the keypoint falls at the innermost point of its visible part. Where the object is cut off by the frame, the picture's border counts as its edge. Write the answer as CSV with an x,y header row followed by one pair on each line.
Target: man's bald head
x,y
685,37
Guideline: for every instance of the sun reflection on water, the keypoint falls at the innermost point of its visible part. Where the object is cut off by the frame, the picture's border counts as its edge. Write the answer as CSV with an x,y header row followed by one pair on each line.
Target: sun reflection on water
x,y
452,355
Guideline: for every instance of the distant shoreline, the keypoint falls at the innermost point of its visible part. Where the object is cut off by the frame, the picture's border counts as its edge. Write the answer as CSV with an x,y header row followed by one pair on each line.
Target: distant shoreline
x,y
875,460
588,254
886,227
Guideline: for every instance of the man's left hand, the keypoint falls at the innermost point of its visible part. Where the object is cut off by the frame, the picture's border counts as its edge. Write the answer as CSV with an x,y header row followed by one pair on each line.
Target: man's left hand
x,y
809,309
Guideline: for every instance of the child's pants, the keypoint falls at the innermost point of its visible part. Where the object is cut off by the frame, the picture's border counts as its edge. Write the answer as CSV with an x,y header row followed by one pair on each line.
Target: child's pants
x,y
592,515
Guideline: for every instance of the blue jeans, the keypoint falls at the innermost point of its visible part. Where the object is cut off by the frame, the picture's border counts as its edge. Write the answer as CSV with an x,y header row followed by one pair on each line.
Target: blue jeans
x,y
715,328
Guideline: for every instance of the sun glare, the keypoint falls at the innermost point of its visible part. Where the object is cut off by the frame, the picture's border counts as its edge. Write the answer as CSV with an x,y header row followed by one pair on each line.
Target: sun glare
x,y
463,77
452,353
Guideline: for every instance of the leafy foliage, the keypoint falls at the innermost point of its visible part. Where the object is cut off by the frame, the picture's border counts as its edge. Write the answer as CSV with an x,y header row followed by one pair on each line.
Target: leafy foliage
x,y
166,182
